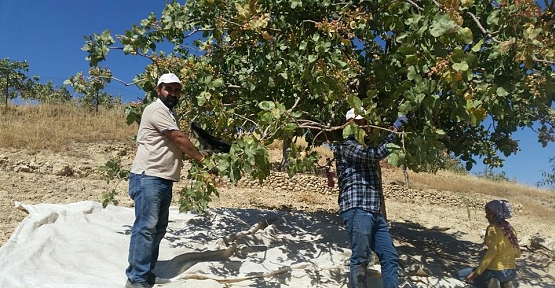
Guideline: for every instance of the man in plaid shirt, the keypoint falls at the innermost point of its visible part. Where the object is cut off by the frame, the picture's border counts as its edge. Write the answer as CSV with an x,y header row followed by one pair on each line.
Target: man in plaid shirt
x,y
360,190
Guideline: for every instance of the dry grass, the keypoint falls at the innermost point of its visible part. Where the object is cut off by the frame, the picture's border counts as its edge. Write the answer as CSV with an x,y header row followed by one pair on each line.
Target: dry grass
x,y
54,127
537,202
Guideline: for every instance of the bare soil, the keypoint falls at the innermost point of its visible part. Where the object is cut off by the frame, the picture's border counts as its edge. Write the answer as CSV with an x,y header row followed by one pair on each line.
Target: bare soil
x,y
439,229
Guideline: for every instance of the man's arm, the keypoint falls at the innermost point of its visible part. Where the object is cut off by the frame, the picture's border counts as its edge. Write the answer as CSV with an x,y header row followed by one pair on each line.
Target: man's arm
x,y
184,144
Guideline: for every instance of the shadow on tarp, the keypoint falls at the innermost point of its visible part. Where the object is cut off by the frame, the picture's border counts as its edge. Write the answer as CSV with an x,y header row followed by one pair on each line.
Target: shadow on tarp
x,y
298,235
441,253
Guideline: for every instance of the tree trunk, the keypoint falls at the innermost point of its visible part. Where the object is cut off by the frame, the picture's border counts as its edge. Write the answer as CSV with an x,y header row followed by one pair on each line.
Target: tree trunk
x,y
285,148
406,174
97,102
7,91
382,198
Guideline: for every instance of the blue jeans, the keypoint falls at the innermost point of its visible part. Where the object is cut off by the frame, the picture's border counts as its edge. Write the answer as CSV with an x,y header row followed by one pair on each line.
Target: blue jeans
x,y
482,280
152,196
368,231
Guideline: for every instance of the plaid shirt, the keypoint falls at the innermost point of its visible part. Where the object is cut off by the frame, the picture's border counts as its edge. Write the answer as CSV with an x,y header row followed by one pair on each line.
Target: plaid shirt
x,y
360,185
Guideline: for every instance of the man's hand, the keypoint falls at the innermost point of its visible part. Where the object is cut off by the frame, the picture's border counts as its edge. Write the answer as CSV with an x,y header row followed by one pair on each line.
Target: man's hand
x,y
400,122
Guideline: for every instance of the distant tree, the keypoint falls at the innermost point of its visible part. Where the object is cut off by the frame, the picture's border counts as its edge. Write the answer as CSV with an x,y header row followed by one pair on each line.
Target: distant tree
x,y
548,177
47,93
447,162
467,73
13,79
90,87
489,174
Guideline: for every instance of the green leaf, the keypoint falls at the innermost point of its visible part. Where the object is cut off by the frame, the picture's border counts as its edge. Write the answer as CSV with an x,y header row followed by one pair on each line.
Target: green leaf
x,y
267,105
440,132
127,49
501,92
442,24
312,58
493,56
468,165
478,46
203,97
465,34
493,18
295,3
218,83
348,131
412,74
316,37
393,159
405,108
462,66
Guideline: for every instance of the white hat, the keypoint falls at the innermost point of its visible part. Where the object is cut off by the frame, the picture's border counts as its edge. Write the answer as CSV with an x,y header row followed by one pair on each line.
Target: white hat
x,y
168,78
351,114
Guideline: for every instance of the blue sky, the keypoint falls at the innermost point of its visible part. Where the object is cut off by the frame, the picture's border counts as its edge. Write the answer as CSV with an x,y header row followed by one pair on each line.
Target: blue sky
x,y
49,36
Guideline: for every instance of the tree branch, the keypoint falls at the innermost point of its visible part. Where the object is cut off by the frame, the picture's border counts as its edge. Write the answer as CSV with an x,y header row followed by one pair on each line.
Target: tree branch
x,y
248,120
229,85
415,5
544,61
297,100
436,3
309,124
198,30
310,21
134,53
125,83
484,31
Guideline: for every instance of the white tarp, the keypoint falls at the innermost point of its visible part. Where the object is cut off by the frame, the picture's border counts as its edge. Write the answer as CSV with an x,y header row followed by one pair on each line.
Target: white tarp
x,y
83,245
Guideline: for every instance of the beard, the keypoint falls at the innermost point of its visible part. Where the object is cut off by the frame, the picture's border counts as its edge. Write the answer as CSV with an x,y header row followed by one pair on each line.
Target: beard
x,y
170,101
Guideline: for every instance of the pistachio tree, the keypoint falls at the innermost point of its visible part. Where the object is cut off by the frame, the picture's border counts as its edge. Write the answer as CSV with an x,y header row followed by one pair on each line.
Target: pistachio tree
x,y
14,81
48,93
548,178
91,86
468,74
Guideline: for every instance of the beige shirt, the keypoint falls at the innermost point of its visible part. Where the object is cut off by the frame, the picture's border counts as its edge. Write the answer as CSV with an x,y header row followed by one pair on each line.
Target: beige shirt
x,y
157,155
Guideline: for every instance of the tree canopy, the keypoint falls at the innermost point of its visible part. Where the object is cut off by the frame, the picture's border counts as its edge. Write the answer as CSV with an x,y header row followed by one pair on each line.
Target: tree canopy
x,y
13,78
90,87
468,73
14,83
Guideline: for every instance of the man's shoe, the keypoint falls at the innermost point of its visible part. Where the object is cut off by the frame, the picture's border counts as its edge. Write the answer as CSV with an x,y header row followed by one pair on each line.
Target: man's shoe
x,y
494,283
509,284
129,284
153,279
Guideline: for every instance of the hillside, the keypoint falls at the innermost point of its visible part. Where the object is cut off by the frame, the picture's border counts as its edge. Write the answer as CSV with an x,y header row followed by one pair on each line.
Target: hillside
x,y
437,221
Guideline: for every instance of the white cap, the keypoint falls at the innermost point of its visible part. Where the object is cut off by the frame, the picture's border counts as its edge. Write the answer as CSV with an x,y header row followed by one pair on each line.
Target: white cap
x,y
168,78
351,115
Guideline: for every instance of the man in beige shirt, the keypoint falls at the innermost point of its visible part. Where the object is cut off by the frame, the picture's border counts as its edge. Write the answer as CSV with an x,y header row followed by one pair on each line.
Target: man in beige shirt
x,y
156,166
